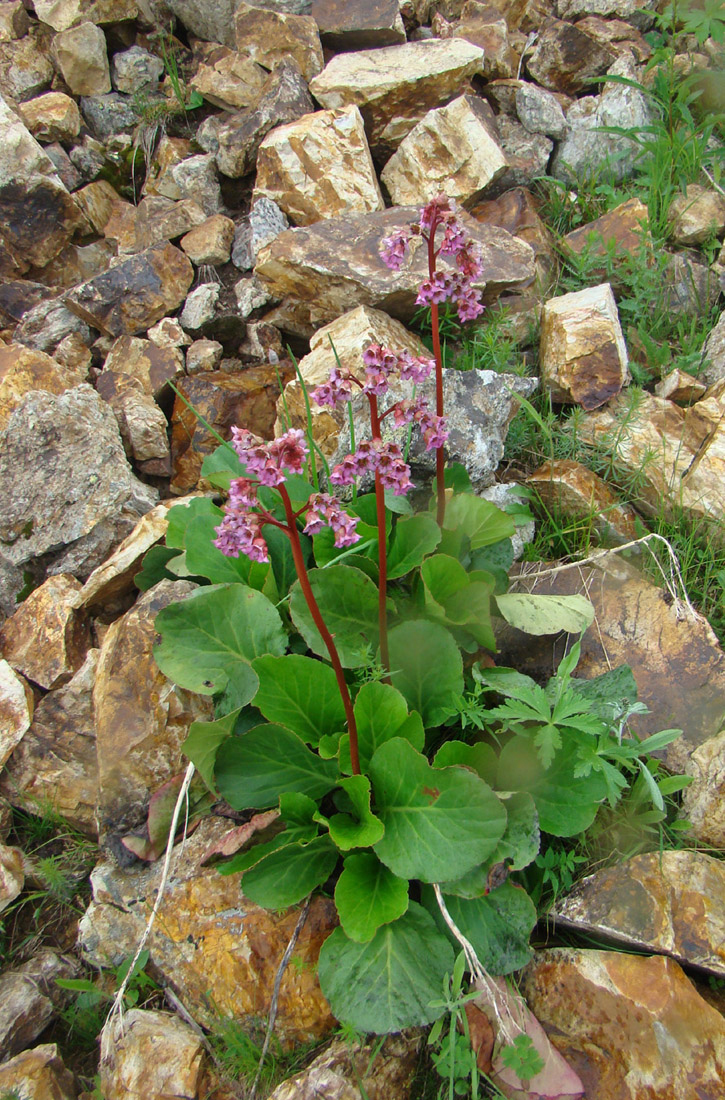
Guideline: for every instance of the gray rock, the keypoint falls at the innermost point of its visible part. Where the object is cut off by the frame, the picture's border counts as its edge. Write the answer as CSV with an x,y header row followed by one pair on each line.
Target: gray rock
x,y
640,13
197,179
527,155
25,68
263,224
45,325
135,70
540,111
690,287
251,294
210,20
68,174
207,134
200,306
503,494
108,114
714,354
88,158
30,998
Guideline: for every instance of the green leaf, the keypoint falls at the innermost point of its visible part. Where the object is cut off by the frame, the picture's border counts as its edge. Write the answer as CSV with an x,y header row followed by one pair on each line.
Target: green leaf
x,y
154,568
427,669
348,602
362,828
301,694
415,538
289,874
566,805
222,466
439,822
368,895
242,861
498,924
459,599
609,694
516,849
456,477
381,713
479,757
388,983
546,614
180,516
210,638
481,521
254,769
203,743
203,559
280,556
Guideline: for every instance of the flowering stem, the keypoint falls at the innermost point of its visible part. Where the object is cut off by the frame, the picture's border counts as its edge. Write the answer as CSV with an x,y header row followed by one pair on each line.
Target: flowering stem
x,y
435,327
382,547
319,622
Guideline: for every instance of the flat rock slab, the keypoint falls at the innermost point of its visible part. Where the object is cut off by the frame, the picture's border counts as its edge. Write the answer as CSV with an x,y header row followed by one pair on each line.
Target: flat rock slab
x,y
154,1056
672,903
358,24
38,1073
219,951
632,1028
47,638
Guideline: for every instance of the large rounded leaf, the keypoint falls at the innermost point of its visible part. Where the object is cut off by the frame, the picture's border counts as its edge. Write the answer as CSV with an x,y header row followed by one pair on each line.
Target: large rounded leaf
x,y
566,803
546,614
348,601
301,694
388,983
367,895
426,668
290,873
253,770
498,924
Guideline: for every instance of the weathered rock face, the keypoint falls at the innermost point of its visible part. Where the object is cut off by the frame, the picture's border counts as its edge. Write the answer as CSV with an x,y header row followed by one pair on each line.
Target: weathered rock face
x,y
212,21
66,489
630,10
46,325
624,229
453,150
343,179
670,902
680,387
567,59
81,56
269,37
229,80
39,1073
141,422
134,294
25,67
704,800
395,86
153,366
340,1072
160,219
540,111
358,24
52,117
136,70
714,353
30,998
12,875
16,709
573,490
631,1027
47,639
218,950
58,754
516,211
61,14
25,369
141,718
697,215
154,1057
210,242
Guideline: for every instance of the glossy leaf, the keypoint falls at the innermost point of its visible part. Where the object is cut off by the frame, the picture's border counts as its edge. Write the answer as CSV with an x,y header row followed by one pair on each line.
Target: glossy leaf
x,y
203,742
203,559
181,516
426,668
499,925
348,601
299,693
289,874
546,614
222,466
368,895
481,521
415,538
360,828
254,769
566,804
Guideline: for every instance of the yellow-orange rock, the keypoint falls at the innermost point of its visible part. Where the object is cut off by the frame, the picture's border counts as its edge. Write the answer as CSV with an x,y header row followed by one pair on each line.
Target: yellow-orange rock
x,y
38,1073
23,369
12,875
154,1056
16,709
47,638
273,36
624,230
343,1070
680,387
573,490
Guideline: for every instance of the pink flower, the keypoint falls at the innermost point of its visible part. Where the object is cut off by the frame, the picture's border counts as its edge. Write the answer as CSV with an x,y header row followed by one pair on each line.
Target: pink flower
x,y
266,461
415,368
434,428
394,249
240,532
337,388
325,511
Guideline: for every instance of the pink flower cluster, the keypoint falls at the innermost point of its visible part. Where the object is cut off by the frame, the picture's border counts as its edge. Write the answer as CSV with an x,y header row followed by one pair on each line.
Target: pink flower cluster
x,y
373,456
441,286
379,363
325,511
433,428
266,461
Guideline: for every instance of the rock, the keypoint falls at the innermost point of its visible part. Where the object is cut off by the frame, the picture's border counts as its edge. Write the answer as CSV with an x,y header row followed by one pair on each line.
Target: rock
x,y
318,166
570,489
623,231
160,219
631,1027
196,178
153,366
16,709
142,424
690,286
37,215
136,70
67,173
263,342
12,880
168,333
516,211
77,263
78,492
62,14
567,59
48,324
210,242
25,68
703,801
137,292
58,754
80,53
680,387
200,306
203,355
639,15
482,25
251,294
246,398
269,37
229,80
283,99
23,370
326,269
342,1071
540,111
18,296
210,20
47,639
697,215
668,902
263,225
30,999
108,115
219,951
583,357
527,154
395,86
141,718
453,150
153,1057
14,22
618,36
88,157
713,369
358,25
38,1073
97,202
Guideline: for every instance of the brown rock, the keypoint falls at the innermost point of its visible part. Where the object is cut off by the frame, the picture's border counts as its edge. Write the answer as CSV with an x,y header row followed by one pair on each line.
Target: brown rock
x,y
168,333
98,200
153,366
573,490
633,1028
142,424
618,35
220,951
246,399
134,294
625,229
210,242
582,352
80,53
161,219
229,80
269,37
77,263
482,25
703,801
154,1056
52,117
680,387
25,68
16,709
30,998
141,717
169,153
671,903
56,760
453,150
567,59
38,1073
18,296
25,369
203,355
12,878
61,14
516,211
343,1071
697,215
394,87
358,24
319,167
47,639
14,22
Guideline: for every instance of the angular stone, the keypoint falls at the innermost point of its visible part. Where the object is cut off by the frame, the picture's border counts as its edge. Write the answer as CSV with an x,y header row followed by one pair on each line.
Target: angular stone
x,y
572,490
38,1073
358,24
98,200
680,387
229,80
330,267
319,167
691,288
703,801
63,165
516,211
16,709
18,296
153,366
246,399
269,37
52,117
527,154
136,70
342,1071
62,14
210,242
141,717
251,294
453,150
25,369
142,424
160,219
670,902
640,15
395,86
14,22
80,53
714,353
12,877
697,215
582,352
109,115
46,325
169,153
77,491
540,111
485,27
25,68
632,1027
132,296
619,36
78,263
283,98
30,999
218,950
154,1056
195,178
566,59
56,760
624,230
210,20
263,224
168,333
200,306
203,355
47,639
